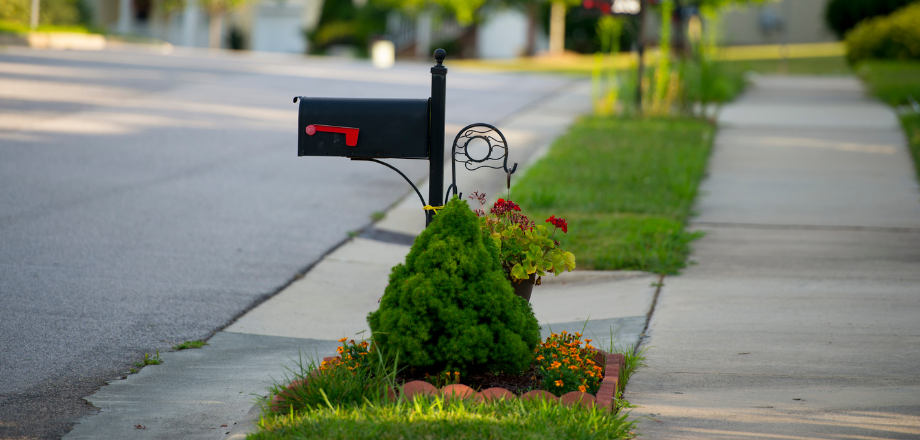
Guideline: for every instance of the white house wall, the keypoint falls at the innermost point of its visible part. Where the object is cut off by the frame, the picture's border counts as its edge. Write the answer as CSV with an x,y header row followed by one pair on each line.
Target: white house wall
x,y
503,34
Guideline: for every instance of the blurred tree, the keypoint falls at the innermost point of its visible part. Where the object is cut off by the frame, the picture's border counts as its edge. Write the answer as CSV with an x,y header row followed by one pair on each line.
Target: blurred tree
x,y
463,10
216,10
843,15
52,12
343,23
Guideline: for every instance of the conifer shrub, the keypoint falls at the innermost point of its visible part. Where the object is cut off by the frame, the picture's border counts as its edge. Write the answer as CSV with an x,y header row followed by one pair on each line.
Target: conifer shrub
x,y
891,37
449,307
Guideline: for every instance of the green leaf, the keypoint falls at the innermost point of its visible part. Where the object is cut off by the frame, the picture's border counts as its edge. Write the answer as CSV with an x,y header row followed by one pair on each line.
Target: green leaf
x,y
570,261
518,272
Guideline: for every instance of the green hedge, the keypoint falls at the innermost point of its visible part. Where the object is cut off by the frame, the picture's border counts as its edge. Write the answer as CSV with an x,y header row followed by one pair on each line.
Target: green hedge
x,y
843,15
893,37
52,12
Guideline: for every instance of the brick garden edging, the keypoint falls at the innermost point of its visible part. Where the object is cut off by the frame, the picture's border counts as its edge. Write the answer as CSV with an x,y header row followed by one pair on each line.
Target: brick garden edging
x,y
613,364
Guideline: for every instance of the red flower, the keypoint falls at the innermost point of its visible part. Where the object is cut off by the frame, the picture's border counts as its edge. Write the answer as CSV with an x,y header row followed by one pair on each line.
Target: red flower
x,y
503,206
559,223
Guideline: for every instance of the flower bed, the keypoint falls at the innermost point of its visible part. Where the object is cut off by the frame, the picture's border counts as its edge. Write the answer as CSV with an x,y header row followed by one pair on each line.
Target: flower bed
x,y
594,373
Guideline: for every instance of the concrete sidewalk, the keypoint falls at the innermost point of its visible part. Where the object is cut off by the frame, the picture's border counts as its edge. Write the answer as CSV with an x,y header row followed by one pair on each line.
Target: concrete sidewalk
x,y
802,318
209,393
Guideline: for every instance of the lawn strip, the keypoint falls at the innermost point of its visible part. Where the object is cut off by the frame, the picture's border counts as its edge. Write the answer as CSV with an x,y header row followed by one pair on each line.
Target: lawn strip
x,y
435,419
793,66
892,81
626,186
911,125
897,83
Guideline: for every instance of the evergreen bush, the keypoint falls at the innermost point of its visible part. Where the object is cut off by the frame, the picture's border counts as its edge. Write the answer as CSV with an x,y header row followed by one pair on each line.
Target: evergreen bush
x,y
894,37
843,15
449,307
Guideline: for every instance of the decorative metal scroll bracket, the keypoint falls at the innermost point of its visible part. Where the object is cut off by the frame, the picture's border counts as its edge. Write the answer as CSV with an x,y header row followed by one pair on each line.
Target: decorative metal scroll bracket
x,y
491,152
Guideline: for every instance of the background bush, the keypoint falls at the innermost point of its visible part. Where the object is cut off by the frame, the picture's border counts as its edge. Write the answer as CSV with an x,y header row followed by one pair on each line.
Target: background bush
x,y
52,12
893,37
843,15
450,307
341,23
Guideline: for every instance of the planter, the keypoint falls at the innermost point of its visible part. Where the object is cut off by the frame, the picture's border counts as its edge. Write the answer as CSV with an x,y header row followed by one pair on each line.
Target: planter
x,y
525,287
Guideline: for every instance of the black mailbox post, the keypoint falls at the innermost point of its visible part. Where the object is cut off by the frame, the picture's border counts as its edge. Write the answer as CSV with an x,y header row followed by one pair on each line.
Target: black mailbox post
x,y
373,129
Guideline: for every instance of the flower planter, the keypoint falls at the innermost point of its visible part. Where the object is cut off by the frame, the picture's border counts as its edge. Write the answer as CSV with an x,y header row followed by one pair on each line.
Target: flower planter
x,y
525,287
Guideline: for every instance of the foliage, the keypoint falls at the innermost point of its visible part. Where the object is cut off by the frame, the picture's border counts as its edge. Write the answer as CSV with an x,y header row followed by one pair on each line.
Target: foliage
x,y
51,12
449,307
342,23
911,123
463,10
456,419
584,31
843,15
898,83
706,82
564,365
793,66
626,187
894,82
525,249
895,37
219,7
351,356
150,360
312,385
190,344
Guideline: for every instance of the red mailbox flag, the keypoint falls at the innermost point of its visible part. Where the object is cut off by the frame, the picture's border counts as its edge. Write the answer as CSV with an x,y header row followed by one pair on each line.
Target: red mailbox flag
x,y
351,134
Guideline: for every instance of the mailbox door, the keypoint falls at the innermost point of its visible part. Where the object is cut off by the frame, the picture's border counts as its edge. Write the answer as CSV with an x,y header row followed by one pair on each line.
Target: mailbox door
x,y
373,128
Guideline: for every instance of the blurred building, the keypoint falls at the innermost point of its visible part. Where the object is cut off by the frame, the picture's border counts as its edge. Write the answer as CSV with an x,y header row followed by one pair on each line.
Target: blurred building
x,y
783,21
268,25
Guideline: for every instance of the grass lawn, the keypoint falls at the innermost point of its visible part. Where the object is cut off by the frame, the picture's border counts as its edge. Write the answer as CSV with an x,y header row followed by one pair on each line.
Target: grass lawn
x,y
426,418
911,125
895,82
794,66
626,188
892,81
8,27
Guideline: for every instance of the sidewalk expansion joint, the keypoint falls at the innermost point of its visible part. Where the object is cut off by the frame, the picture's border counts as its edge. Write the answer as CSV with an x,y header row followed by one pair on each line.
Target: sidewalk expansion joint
x,y
651,311
808,227
385,236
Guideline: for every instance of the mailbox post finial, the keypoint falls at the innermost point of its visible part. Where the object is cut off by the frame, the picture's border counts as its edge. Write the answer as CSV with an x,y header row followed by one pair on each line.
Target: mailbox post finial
x,y
439,56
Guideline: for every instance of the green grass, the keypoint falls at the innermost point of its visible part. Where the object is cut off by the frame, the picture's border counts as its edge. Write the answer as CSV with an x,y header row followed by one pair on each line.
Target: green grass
x,y
911,125
626,188
9,27
433,418
190,344
794,66
896,82
149,360
892,81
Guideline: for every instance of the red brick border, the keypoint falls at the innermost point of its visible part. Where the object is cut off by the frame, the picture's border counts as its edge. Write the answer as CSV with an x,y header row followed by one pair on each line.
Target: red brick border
x,y
612,363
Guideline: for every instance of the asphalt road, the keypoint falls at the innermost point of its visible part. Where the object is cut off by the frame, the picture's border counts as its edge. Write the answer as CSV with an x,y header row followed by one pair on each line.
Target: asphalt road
x,y
148,199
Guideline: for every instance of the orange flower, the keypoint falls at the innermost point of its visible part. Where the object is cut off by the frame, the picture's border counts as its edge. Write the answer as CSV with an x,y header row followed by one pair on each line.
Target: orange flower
x,y
540,357
582,389
343,339
559,383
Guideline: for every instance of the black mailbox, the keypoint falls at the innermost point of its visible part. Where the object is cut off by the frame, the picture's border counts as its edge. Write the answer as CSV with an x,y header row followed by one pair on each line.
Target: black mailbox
x,y
364,128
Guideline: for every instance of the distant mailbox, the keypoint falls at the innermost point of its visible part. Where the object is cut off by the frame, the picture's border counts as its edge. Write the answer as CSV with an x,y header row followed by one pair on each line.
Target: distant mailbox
x,y
364,128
